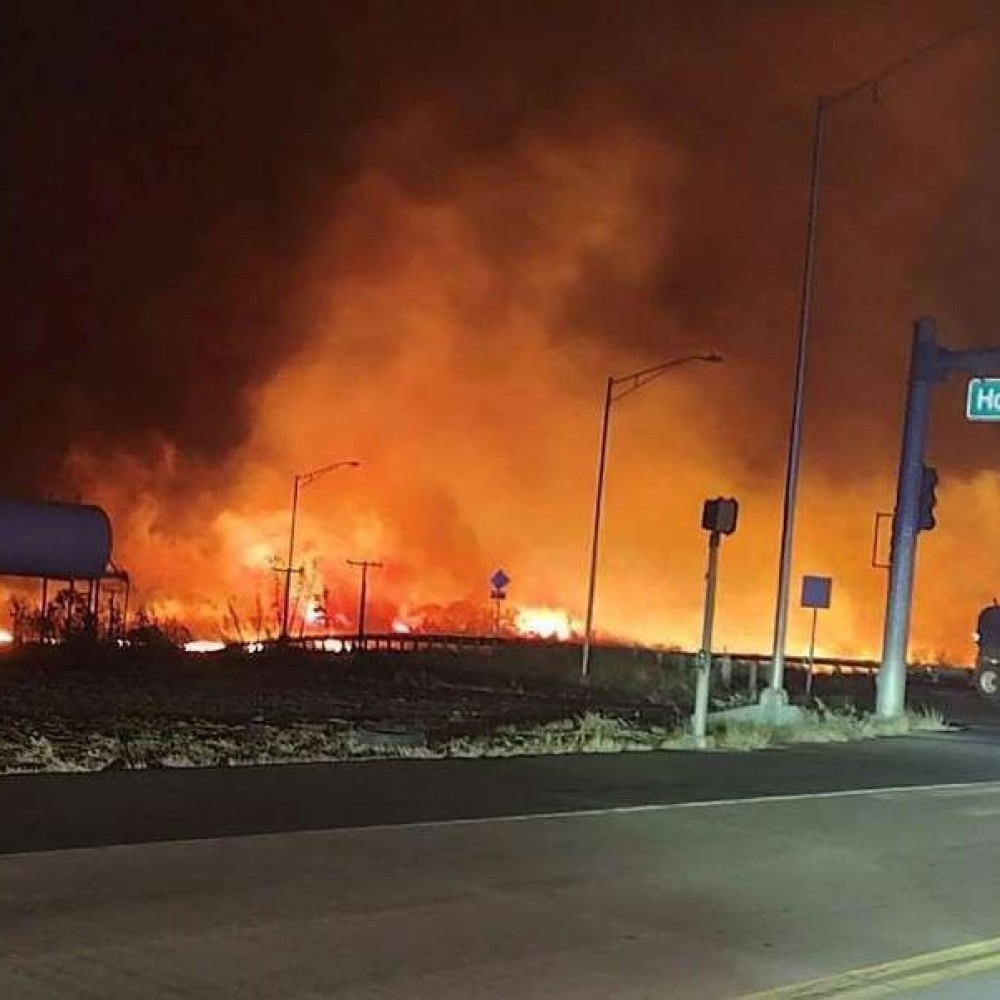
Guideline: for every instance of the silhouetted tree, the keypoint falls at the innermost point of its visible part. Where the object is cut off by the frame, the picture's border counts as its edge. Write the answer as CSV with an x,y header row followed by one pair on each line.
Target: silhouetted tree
x,y
149,630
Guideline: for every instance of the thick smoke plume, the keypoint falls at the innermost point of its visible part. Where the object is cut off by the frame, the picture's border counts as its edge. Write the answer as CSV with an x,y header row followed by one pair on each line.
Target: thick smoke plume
x,y
301,244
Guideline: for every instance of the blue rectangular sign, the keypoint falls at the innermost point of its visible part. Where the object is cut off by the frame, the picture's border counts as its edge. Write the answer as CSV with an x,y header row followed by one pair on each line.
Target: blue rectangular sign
x,y
816,591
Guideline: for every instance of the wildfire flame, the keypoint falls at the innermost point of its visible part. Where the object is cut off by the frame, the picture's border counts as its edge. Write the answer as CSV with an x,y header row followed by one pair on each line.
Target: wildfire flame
x,y
204,646
545,623
315,613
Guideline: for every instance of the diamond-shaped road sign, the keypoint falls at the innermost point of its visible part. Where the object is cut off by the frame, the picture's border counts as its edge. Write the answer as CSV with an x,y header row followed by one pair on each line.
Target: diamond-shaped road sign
x,y
499,580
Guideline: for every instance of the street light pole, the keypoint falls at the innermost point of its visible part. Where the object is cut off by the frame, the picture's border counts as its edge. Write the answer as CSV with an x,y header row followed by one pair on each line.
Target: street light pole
x,y
300,480
291,556
632,383
795,434
595,534
776,693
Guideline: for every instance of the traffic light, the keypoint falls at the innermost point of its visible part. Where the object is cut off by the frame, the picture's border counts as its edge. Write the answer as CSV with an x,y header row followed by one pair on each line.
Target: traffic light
x,y
928,498
719,515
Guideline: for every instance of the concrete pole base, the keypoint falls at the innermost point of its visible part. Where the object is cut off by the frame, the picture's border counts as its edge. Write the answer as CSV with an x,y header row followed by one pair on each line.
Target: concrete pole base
x,y
773,698
772,710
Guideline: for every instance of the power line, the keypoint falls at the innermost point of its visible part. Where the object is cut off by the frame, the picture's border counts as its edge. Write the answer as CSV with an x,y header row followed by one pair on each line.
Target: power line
x,y
914,55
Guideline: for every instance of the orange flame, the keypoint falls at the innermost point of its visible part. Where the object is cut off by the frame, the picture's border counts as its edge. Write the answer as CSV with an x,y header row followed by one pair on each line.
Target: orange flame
x,y
545,623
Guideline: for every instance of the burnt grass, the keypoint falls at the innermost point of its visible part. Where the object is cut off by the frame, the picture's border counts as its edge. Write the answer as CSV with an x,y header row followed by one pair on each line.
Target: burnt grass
x,y
221,705
443,693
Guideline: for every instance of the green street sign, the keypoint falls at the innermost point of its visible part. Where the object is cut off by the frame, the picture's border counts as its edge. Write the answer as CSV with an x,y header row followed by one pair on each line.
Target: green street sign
x,y
983,399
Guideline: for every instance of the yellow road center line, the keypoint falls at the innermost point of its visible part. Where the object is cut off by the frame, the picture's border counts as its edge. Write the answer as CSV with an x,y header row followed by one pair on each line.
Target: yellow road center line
x,y
922,979
891,977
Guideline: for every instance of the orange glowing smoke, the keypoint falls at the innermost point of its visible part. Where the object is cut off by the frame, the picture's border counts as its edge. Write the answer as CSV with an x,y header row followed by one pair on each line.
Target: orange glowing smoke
x,y
443,352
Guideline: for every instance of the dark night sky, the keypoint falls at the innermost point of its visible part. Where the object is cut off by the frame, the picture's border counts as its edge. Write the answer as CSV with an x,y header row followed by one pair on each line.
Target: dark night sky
x,y
164,164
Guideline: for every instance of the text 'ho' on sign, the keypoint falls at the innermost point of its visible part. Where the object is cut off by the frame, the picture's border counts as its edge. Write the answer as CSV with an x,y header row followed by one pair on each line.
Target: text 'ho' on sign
x,y
816,591
982,402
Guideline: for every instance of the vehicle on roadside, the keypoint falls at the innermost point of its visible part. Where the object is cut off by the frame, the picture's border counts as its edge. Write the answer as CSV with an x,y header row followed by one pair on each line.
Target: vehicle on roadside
x,y
987,675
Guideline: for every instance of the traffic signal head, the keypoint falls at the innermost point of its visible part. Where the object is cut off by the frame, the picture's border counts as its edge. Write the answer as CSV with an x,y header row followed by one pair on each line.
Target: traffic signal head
x,y
928,498
720,515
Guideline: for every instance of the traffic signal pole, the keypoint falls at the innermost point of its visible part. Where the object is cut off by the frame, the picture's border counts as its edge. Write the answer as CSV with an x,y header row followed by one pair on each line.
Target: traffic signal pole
x,y
892,673
699,722
929,363
718,518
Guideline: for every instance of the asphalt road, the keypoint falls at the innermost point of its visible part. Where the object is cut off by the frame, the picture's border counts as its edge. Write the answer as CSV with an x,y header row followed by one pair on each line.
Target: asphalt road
x,y
870,867
55,811
47,812
712,900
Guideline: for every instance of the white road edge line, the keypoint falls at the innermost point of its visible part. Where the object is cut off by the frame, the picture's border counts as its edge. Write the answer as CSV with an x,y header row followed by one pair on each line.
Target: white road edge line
x,y
431,824
982,786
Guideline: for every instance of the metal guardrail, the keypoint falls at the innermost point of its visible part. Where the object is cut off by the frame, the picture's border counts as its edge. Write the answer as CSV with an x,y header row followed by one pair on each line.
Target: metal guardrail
x,y
407,642
846,666
400,642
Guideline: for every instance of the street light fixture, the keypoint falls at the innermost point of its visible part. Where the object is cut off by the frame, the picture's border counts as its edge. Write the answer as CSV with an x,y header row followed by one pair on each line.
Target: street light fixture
x,y
631,384
300,480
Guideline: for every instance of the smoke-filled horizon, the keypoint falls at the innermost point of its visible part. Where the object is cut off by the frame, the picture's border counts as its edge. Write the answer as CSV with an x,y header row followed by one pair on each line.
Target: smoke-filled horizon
x,y
247,242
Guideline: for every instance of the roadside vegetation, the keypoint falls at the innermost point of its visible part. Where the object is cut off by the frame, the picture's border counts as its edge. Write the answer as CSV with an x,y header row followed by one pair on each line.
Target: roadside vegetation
x,y
823,725
90,707
148,744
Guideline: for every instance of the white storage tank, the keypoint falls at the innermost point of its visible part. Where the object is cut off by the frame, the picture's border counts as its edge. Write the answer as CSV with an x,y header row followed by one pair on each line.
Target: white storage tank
x,y
62,541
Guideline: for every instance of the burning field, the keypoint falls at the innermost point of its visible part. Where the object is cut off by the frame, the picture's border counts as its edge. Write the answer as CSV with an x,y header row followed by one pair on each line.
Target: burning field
x,y
253,243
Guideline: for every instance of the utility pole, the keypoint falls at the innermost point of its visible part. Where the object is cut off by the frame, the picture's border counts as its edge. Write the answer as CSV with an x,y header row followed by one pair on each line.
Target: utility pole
x,y
365,565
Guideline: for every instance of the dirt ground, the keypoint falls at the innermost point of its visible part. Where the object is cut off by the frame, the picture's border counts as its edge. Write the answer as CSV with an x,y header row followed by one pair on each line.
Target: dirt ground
x,y
88,708
429,690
